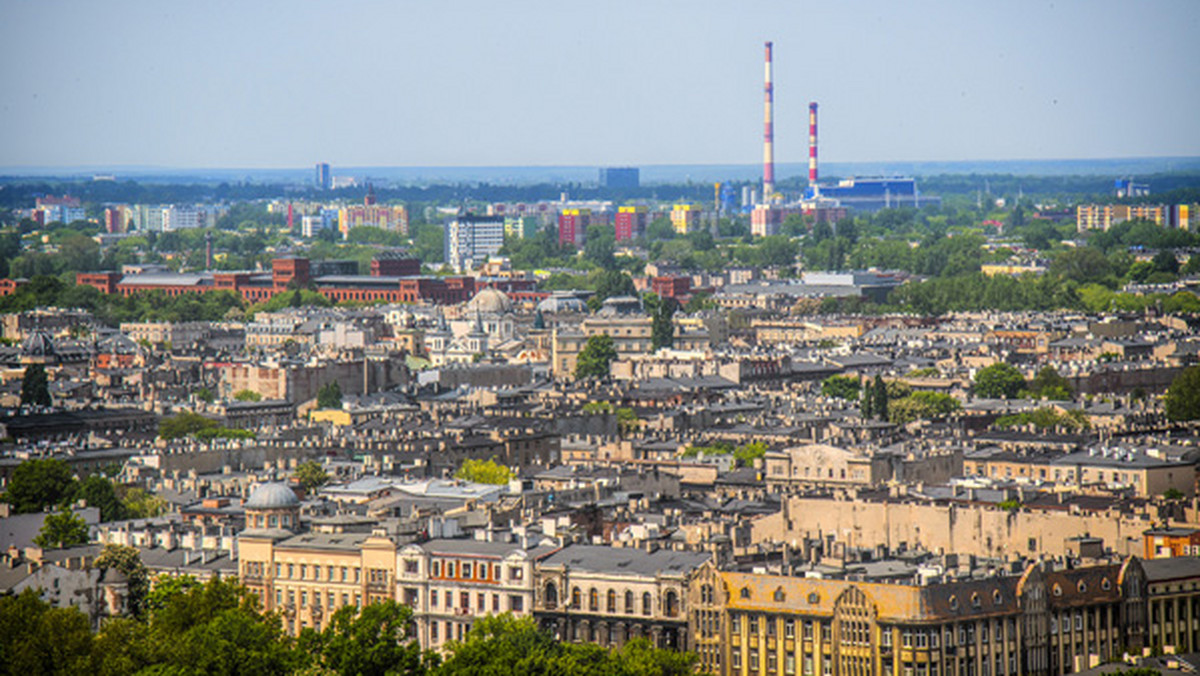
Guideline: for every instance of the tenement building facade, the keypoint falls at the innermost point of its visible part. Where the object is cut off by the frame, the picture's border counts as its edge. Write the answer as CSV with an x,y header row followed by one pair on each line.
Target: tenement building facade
x,y
609,595
1041,621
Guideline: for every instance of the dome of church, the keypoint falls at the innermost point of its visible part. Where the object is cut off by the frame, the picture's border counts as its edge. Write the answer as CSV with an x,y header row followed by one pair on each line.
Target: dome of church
x,y
491,301
272,496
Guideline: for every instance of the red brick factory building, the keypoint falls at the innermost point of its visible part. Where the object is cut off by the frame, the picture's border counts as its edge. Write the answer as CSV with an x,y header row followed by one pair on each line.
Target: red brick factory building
x,y
402,282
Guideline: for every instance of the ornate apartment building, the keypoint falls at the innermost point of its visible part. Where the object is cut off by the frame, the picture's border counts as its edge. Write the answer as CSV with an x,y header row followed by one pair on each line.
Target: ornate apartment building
x,y
450,583
1038,622
309,575
608,595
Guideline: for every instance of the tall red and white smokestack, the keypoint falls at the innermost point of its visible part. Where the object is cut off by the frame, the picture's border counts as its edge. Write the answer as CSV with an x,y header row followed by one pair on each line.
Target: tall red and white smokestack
x,y
812,144
768,134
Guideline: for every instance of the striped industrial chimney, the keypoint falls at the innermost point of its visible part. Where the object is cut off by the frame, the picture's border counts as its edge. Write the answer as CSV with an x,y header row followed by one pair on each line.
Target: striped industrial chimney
x,y
768,134
812,144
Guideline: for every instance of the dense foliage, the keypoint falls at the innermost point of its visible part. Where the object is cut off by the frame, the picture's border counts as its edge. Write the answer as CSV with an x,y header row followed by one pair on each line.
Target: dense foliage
x,y
1183,397
216,628
311,475
189,424
596,357
999,381
841,387
484,472
1045,418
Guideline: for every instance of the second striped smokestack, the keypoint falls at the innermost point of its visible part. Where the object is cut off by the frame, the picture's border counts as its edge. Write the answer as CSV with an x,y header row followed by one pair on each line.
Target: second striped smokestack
x,y
768,134
812,144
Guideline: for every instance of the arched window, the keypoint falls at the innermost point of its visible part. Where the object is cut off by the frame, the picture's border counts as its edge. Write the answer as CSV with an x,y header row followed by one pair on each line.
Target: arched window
x,y
671,603
551,596
593,599
629,602
576,600
647,604
612,601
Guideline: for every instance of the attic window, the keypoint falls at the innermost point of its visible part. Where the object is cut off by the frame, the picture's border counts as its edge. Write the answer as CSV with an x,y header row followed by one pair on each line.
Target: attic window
x,y
1057,590
1081,587
1105,584
953,602
996,598
814,598
975,603
779,596
745,592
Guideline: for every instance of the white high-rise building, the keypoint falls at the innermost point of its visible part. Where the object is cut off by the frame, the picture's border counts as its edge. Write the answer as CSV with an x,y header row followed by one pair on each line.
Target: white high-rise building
x,y
471,239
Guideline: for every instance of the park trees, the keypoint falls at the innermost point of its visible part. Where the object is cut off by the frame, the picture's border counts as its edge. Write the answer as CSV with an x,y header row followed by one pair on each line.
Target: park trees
x,y
999,381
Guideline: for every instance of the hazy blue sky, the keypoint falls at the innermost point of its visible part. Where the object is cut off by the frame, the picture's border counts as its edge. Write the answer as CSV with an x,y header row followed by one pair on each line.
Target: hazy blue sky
x,y
444,83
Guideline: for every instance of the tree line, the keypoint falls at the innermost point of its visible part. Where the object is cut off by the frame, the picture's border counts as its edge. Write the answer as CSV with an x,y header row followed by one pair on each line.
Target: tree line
x,y
184,627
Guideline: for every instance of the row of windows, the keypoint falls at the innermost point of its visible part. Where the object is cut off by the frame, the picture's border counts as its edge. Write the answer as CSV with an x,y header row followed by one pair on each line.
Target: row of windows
x,y
465,570
516,603
671,602
330,599
322,573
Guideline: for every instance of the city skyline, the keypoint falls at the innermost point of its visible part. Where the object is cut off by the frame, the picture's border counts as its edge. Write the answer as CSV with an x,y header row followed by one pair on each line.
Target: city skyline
x,y
538,84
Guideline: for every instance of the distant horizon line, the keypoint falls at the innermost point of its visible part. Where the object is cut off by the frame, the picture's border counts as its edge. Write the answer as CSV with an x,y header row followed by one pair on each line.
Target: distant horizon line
x,y
7,169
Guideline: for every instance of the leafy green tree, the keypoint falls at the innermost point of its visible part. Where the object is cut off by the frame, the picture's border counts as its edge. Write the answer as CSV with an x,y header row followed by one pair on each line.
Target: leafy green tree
x,y
1083,265
612,283
627,421
128,561
247,395
141,504
185,424
1183,397
922,405
62,529
38,639
867,401
35,386
999,381
167,588
596,357
211,629
662,324
39,483
372,642
99,492
1048,384
746,454
880,406
841,387
502,645
660,229
311,475
330,395
484,472
600,245
206,395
